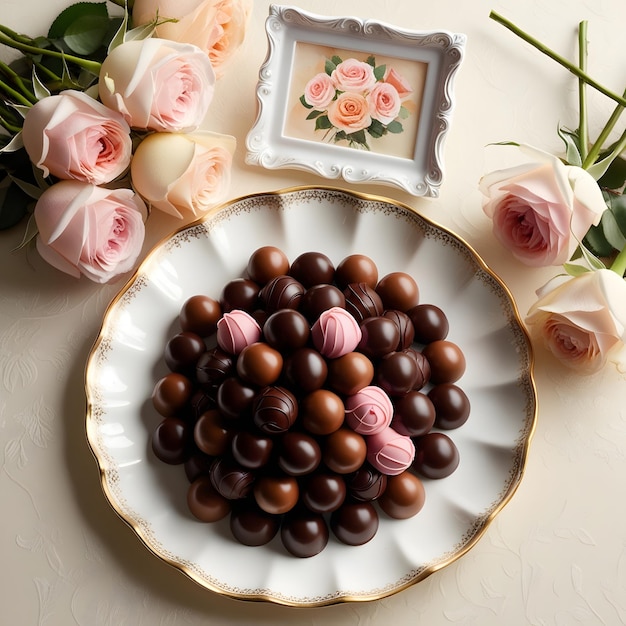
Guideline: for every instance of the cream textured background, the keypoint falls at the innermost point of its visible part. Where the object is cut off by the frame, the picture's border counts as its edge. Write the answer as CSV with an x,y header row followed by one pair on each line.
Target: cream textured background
x,y
555,555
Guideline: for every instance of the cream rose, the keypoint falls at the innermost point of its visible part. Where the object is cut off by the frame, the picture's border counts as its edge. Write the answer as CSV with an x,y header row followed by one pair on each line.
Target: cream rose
x,y
384,103
158,84
542,209
349,112
353,76
73,136
217,27
183,173
89,230
582,320
319,91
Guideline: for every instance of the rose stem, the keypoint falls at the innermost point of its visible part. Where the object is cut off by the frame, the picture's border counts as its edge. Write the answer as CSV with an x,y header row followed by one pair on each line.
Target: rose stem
x,y
16,95
583,138
594,151
5,69
558,58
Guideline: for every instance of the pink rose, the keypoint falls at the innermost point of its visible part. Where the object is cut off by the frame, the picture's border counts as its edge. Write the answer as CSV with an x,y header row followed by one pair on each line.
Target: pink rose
x,y
384,103
349,112
217,27
582,320
73,136
158,84
319,91
542,209
353,76
85,229
183,173
399,82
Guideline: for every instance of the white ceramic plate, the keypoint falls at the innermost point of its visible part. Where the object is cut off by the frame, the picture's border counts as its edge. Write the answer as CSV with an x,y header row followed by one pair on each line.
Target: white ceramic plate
x,y
127,360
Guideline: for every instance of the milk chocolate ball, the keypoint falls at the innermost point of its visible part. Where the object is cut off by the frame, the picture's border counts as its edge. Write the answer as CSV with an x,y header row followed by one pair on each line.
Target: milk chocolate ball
x,y
199,314
446,359
356,268
452,406
204,502
275,410
276,494
251,526
398,290
312,268
304,533
354,523
286,330
322,412
259,364
305,369
404,496
344,451
212,433
350,373
430,323
323,492
240,293
266,263
172,394
171,441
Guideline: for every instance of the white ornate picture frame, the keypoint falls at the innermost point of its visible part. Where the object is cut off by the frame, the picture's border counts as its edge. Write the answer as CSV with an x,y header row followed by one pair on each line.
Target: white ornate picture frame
x,y
356,99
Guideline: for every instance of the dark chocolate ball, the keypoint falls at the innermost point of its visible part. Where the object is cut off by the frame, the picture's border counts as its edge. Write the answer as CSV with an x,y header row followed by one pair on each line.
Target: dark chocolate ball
x,y
320,298
276,494
252,450
366,483
416,413
398,290
356,268
305,369
396,373
282,292
259,364
183,350
324,492
286,330
404,496
234,398
230,479
436,455
240,293
275,410
266,263
344,451
204,501
304,533
212,434
350,373
171,441
171,394
251,526
312,268
299,454
354,523
199,314
452,406
379,336
213,367
198,464
322,412
446,359
362,301
430,323
405,327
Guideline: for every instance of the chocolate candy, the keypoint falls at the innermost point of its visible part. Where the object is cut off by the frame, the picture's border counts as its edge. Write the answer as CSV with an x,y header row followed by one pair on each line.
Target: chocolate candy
x,y
324,492
304,533
447,361
366,483
213,367
171,394
436,455
312,268
356,268
286,330
170,441
275,410
396,373
252,526
204,502
199,314
259,364
282,292
350,373
404,496
430,323
362,301
252,450
354,523
398,290
211,433
198,464
452,406
379,336
321,412
276,494
240,293
267,263
299,454
414,414
230,479
405,327
344,451
305,369
234,397
320,298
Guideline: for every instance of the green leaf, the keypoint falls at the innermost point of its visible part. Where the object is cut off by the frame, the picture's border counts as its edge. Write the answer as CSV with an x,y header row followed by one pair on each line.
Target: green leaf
x,y
615,175
340,136
596,241
572,152
599,168
395,127
371,60
376,129
404,113
313,114
379,72
71,14
329,67
87,34
575,269
322,123
39,89
358,137
14,204
304,103
17,143
336,59
617,207
611,230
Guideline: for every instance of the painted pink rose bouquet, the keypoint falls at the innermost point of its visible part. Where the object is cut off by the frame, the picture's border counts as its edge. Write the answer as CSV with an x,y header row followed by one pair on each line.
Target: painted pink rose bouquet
x,y
351,98
570,211
102,121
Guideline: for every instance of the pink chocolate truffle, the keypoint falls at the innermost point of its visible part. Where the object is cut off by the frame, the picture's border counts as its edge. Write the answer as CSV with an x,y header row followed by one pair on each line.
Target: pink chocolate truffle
x,y
369,410
236,330
335,333
390,452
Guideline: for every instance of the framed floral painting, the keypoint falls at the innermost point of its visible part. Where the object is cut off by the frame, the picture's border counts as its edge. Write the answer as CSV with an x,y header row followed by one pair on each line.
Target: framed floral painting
x,y
356,99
